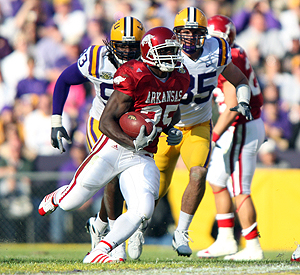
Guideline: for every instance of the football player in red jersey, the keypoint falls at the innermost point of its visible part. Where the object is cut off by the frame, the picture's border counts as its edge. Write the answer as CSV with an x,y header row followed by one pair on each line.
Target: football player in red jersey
x,y
233,161
98,65
153,86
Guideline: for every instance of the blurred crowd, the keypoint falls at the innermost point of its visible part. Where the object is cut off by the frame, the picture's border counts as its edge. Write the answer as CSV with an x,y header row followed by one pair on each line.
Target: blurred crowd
x,y
40,38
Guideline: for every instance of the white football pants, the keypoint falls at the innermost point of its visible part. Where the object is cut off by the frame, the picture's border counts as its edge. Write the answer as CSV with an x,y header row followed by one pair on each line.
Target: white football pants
x,y
233,159
138,174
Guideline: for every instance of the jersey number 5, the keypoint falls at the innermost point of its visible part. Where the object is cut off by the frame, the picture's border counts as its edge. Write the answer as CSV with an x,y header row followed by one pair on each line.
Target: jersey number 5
x,y
162,116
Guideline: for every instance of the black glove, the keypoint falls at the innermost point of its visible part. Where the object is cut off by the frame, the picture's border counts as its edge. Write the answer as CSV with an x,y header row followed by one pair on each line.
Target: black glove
x,y
57,133
174,136
243,108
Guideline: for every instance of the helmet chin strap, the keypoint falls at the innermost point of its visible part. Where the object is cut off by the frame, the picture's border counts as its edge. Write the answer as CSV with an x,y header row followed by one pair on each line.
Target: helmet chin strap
x,y
119,60
165,68
197,44
122,61
189,50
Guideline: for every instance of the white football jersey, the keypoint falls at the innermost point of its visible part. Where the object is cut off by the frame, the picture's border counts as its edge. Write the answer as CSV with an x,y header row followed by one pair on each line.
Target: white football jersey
x,y
196,105
95,65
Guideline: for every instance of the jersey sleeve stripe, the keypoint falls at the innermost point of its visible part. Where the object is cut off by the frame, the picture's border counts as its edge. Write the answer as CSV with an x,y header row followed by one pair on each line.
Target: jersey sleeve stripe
x,y
94,64
223,49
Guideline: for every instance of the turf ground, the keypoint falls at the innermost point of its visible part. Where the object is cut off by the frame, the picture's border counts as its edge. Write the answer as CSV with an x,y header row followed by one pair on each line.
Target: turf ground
x,y
67,259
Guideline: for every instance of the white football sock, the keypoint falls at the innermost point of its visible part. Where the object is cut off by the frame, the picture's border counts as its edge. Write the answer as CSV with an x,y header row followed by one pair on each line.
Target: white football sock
x,y
99,224
111,223
184,221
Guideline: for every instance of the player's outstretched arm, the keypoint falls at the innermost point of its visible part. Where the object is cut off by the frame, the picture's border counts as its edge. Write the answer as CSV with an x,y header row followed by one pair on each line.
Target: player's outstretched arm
x,y
70,76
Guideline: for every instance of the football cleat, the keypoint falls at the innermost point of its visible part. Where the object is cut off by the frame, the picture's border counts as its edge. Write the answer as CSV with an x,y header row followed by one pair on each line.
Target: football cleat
x,y
135,244
220,247
47,205
296,254
180,243
252,251
98,256
119,252
246,254
96,235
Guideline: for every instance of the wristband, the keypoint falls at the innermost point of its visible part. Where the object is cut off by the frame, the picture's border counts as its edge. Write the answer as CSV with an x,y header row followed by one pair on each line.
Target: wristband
x,y
215,137
243,93
56,121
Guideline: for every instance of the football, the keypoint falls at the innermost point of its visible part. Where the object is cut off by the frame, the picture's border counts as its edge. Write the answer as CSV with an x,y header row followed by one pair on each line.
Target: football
x,y
131,123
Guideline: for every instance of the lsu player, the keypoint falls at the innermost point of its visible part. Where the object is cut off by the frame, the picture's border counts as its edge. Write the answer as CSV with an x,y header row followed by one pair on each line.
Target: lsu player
x,y
98,65
205,59
234,158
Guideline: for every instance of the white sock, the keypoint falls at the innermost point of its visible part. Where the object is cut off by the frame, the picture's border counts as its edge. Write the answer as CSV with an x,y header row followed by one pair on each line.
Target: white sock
x,y
253,244
111,224
225,233
184,221
100,225
225,216
246,231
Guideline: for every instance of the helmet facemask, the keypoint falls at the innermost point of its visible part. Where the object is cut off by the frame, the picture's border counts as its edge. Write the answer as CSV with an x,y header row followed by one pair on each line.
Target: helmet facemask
x,y
165,56
191,42
124,51
190,26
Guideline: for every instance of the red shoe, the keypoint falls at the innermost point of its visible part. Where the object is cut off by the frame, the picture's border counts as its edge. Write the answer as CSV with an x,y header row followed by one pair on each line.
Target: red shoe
x,y
47,205
98,256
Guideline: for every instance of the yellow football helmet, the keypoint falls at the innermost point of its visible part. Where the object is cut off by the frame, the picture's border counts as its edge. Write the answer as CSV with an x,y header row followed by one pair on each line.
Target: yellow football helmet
x,y
194,20
125,37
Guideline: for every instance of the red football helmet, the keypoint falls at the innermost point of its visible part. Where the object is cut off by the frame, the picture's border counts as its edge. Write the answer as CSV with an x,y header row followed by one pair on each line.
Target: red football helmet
x,y
160,48
222,26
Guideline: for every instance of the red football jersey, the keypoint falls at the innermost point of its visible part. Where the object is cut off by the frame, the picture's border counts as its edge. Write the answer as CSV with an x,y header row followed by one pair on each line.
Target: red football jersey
x,y
240,59
156,98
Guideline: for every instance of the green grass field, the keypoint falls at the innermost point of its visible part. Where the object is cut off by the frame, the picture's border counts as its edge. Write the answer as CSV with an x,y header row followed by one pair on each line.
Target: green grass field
x,y
67,259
